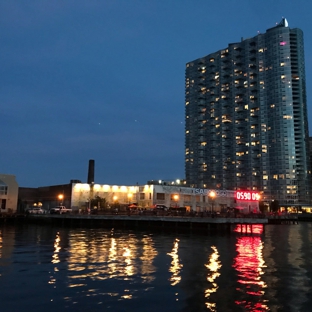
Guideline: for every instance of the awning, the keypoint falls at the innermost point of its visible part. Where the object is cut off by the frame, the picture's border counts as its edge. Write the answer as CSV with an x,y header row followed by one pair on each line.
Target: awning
x,y
240,208
133,206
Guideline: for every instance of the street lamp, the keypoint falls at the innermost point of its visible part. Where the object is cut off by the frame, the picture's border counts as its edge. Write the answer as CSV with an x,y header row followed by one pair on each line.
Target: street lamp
x,y
61,197
129,197
212,196
176,198
115,206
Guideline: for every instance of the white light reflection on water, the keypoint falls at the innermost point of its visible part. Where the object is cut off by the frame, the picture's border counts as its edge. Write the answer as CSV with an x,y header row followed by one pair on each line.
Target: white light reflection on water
x,y
176,266
55,259
249,264
91,269
112,257
105,257
57,248
213,266
148,255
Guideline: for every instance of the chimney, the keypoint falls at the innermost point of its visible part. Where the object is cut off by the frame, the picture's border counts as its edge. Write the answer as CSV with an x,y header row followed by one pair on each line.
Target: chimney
x,y
91,172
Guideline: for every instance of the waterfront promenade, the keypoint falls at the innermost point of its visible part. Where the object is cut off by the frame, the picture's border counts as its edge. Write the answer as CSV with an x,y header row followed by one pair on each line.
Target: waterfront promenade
x,y
187,221
150,222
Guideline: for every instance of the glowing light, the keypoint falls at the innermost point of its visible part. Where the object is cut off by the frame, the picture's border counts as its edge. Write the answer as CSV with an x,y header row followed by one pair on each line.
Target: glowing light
x,y
249,264
247,195
106,188
96,187
57,248
213,266
176,266
123,189
212,194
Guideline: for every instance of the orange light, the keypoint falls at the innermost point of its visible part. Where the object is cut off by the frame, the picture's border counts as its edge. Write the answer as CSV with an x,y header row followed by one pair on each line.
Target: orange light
x,y
212,194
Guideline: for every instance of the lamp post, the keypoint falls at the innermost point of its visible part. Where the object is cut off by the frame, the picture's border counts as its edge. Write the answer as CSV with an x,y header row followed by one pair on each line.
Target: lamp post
x,y
212,196
61,197
129,197
176,198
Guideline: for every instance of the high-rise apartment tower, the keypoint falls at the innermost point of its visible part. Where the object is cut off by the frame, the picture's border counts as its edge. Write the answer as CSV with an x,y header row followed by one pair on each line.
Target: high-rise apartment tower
x,y
246,123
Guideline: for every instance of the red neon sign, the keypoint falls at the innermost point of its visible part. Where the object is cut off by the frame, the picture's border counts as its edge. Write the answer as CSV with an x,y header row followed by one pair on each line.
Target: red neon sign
x,y
247,195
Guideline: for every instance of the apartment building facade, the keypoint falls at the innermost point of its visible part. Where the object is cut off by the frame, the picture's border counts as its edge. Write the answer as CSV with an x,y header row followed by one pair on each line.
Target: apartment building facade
x,y
246,125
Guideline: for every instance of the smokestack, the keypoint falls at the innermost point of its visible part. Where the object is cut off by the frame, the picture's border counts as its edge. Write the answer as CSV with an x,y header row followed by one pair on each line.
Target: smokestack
x,y
91,172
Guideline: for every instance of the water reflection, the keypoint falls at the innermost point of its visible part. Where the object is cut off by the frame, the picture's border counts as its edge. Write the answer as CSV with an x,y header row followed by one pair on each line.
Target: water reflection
x,y
97,270
300,283
249,264
213,266
106,257
6,246
249,228
1,243
148,255
57,248
176,266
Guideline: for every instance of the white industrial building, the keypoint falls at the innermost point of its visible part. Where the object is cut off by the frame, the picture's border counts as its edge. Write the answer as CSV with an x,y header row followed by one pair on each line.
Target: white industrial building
x,y
147,196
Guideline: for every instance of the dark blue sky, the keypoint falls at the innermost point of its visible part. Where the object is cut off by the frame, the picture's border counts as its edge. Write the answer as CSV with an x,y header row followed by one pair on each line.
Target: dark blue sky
x,y
104,80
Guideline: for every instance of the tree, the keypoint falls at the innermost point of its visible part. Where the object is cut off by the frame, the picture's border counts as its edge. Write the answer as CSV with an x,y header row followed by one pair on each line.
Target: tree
x,y
99,202
274,205
261,206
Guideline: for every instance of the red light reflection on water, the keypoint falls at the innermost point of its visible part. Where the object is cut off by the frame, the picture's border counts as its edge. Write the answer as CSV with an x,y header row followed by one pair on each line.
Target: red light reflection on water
x,y
249,265
249,228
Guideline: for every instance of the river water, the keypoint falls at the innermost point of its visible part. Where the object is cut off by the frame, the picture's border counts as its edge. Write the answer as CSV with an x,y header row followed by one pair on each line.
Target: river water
x,y
47,268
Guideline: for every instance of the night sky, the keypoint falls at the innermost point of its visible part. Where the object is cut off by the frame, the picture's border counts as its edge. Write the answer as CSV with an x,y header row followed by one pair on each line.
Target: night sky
x,y
104,80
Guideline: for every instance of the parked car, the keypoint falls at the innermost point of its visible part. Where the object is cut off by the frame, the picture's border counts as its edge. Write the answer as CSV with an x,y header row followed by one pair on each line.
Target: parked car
x,y
35,210
161,207
60,210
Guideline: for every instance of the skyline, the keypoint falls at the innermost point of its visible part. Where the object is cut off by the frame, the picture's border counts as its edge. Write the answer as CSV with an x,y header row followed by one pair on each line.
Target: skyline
x,y
88,80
